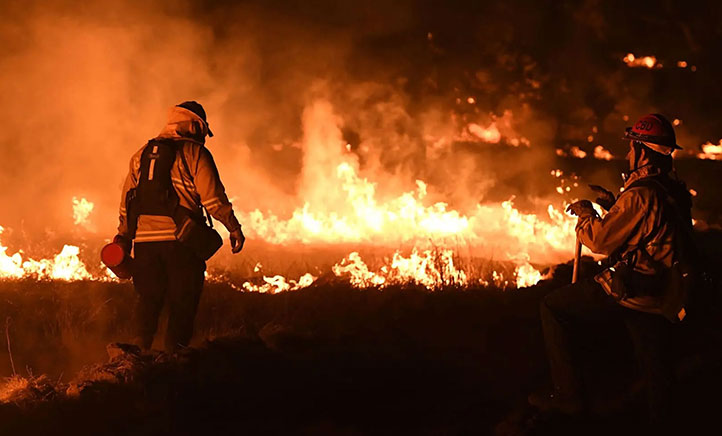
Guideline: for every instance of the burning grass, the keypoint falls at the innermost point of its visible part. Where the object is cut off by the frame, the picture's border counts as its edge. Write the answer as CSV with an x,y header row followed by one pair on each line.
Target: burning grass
x,y
26,391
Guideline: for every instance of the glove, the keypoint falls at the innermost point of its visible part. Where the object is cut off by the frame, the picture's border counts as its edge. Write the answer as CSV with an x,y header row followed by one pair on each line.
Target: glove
x,y
582,209
606,198
124,242
237,240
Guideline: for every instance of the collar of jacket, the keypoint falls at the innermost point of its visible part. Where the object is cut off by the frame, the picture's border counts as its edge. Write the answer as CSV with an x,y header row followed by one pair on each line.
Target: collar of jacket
x,y
184,124
641,173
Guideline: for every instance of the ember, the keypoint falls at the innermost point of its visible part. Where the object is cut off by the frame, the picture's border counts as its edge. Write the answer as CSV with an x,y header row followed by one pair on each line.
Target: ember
x,y
644,61
602,153
711,151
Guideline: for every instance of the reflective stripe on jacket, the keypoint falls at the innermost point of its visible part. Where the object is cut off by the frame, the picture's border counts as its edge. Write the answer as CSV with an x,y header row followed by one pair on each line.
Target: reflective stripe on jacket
x,y
200,183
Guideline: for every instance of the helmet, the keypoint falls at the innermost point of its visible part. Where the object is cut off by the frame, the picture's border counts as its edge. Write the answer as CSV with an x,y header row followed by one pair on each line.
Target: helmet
x,y
197,109
655,132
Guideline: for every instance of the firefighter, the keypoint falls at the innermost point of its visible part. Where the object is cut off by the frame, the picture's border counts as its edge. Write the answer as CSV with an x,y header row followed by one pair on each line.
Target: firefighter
x,y
646,235
171,180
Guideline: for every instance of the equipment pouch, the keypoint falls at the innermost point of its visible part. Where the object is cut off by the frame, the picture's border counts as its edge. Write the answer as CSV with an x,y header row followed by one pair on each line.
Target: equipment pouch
x,y
201,239
621,275
617,280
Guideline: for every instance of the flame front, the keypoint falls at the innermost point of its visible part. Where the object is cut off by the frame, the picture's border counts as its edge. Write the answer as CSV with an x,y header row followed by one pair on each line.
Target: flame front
x,y
429,269
644,61
711,151
278,283
342,206
65,266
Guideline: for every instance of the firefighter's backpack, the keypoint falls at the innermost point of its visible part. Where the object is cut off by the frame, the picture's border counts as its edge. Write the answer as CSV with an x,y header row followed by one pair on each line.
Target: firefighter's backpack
x,y
155,195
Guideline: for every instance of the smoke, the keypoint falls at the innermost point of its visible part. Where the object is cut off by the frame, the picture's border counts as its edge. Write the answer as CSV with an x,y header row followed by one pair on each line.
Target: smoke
x,y
390,86
83,88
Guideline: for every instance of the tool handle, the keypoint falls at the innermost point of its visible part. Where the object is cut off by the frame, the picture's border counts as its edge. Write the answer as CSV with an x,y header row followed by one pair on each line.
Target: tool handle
x,y
577,259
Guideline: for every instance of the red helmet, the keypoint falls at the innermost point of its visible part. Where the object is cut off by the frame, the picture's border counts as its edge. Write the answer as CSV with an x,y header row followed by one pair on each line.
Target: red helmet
x,y
654,131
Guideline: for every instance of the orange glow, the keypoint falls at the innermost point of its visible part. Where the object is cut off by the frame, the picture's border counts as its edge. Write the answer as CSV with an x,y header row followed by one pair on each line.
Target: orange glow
x,y
359,217
65,266
527,275
577,152
711,151
644,61
278,283
490,134
431,269
497,129
602,153
342,202
82,209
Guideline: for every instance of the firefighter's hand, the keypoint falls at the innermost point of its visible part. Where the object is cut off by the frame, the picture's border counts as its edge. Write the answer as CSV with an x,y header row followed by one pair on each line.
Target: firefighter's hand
x,y
124,242
582,209
606,198
237,240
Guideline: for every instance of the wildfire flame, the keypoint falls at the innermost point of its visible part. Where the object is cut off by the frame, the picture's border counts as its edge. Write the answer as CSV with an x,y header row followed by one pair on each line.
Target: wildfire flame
x,y
429,269
527,275
490,134
644,61
433,269
711,151
602,153
406,219
82,209
65,266
343,206
577,152
497,129
278,283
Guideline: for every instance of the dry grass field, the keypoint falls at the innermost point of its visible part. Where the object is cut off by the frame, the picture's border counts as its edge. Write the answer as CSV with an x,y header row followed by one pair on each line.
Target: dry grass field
x,y
328,359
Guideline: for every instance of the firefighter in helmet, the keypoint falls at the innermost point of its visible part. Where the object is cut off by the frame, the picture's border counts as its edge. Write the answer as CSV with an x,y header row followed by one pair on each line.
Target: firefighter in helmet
x,y
646,235
171,181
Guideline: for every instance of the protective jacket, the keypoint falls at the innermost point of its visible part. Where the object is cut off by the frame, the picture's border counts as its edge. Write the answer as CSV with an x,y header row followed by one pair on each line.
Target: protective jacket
x,y
196,184
639,230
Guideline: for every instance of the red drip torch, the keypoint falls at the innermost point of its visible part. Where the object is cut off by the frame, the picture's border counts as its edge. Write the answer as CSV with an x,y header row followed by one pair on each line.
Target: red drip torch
x,y
115,257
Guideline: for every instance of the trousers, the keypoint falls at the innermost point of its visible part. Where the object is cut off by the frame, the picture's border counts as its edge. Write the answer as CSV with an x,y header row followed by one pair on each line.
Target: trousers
x,y
568,309
166,272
